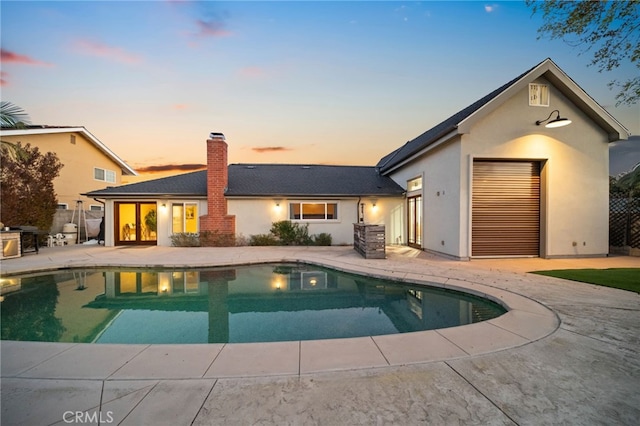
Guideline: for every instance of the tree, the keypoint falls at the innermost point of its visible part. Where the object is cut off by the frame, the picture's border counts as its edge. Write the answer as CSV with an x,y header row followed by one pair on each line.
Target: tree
x,y
610,28
26,186
12,116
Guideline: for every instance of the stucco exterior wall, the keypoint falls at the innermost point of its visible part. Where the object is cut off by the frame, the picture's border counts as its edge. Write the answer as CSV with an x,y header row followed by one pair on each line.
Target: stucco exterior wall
x,y
255,216
441,192
574,184
163,209
79,160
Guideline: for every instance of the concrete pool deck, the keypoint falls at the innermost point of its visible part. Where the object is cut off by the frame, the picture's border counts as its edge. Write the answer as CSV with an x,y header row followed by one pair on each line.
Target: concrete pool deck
x,y
566,352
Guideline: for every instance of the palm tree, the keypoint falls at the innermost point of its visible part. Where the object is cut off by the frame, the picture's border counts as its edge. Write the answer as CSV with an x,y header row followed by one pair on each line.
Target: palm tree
x,y
12,116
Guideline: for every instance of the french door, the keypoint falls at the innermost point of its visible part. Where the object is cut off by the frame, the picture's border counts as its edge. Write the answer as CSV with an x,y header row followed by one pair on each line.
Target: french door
x,y
414,221
135,223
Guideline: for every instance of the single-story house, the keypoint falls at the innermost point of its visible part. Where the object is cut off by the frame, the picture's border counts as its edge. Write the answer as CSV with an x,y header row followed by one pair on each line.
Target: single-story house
x,y
503,177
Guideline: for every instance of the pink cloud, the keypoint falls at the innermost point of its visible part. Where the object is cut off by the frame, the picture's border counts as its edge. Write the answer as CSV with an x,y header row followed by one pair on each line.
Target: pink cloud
x,y
3,81
16,58
180,107
105,51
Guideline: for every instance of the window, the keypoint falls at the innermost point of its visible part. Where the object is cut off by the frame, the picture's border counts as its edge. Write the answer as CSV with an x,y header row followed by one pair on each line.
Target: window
x,y
313,211
96,208
414,184
184,218
62,206
538,95
104,175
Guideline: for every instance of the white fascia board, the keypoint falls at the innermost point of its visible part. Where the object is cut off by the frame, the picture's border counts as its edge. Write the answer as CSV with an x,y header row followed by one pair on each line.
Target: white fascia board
x,y
565,84
102,147
423,151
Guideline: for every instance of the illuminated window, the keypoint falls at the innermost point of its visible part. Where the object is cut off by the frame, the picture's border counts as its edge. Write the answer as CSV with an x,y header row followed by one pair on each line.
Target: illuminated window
x,y
414,184
184,217
538,95
313,211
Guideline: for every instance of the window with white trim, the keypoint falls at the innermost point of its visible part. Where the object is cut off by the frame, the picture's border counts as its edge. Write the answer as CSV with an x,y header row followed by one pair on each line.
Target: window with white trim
x,y
62,206
96,207
104,175
313,211
414,184
184,217
538,94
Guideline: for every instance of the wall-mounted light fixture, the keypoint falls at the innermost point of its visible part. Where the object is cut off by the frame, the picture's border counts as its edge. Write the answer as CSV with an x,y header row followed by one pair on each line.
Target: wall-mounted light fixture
x,y
556,122
164,205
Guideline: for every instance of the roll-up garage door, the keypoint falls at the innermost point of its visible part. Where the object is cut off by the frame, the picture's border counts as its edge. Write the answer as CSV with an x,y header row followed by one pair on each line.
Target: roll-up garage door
x,y
506,208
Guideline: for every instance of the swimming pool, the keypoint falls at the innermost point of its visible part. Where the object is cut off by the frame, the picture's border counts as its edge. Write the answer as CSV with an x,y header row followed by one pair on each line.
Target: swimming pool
x,y
255,303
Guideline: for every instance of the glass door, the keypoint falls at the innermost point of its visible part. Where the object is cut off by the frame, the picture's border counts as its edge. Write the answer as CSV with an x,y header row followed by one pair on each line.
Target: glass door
x,y
414,221
136,223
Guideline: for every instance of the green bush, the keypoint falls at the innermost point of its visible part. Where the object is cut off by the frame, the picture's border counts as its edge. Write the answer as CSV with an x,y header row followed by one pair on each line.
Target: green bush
x,y
287,233
185,239
322,239
216,239
263,240
203,239
291,234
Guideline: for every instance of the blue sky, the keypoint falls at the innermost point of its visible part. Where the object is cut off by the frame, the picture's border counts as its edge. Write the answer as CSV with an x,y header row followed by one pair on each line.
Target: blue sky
x,y
298,82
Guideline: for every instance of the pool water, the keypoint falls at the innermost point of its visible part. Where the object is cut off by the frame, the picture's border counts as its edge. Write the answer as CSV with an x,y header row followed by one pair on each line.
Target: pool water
x,y
256,303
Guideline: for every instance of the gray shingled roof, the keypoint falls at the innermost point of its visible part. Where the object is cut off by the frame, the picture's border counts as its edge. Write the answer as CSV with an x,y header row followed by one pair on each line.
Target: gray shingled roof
x,y
432,135
264,180
188,184
308,180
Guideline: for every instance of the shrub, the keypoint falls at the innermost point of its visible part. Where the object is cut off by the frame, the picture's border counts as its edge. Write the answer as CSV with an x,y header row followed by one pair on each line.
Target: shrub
x,y
263,240
291,234
185,239
322,239
216,239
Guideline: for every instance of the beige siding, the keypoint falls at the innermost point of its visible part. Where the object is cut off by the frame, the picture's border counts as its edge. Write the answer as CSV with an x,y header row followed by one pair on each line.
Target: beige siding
x,y
79,160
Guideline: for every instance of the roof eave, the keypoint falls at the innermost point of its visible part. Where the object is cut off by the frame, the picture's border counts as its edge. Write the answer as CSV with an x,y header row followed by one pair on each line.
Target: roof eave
x,y
569,88
126,169
432,145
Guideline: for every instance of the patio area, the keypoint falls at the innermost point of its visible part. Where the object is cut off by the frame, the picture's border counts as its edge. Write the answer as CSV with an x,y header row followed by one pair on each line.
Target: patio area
x,y
565,353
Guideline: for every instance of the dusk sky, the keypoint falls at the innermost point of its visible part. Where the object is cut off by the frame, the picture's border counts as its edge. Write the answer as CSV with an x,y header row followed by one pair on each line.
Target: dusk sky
x,y
286,82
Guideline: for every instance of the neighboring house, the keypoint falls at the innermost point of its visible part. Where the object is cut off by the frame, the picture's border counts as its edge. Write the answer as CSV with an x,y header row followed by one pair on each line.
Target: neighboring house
x,y
490,181
88,163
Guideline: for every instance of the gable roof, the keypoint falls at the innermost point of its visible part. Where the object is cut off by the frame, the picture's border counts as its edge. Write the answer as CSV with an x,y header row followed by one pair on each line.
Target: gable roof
x,y
266,180
297,180
41,130
192,184
462,121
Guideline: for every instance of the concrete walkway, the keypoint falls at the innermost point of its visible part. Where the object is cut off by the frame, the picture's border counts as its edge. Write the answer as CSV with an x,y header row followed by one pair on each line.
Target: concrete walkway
x,y
565,352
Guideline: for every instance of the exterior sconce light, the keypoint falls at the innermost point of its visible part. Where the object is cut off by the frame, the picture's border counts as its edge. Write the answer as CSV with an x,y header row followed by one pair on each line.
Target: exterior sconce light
x,y
556,122
164,205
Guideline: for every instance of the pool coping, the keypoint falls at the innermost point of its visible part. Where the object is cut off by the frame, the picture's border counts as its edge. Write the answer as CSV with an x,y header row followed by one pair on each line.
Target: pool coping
x,y
525,322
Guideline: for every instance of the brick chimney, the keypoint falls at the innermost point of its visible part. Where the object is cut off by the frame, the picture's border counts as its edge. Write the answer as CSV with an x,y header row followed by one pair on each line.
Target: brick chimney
x,y
217,221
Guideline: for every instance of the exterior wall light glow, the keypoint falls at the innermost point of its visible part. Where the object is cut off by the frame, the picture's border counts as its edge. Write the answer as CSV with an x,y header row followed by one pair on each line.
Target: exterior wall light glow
x,y
556,122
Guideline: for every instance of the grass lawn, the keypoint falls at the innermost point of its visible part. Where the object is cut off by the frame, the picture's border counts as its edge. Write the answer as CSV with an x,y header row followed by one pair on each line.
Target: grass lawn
x,y
622,278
